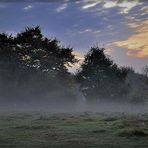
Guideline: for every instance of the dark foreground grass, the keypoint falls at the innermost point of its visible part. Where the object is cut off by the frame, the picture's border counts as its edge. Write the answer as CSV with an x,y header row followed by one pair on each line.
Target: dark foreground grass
x,y
79,130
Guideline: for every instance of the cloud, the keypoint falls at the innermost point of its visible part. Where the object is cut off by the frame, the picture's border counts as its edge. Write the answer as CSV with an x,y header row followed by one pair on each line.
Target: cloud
x,y
85,31
88,30
62,7
90,5
80,57
110,4
137,43
97,31
77,65
125,6
108,50
28,7
144,10
133,25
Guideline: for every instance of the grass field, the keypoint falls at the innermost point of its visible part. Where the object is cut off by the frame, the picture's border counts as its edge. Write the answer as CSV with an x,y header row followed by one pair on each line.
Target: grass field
x,y
69,130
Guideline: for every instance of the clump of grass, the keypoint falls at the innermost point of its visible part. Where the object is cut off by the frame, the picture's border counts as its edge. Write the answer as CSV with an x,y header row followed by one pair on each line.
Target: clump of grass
x,y
43,118
130,122
33,127
110,119
99,131
89,119
131,132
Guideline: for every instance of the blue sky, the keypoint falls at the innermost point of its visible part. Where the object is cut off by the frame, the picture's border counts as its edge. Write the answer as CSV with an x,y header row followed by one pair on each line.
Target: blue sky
x,y
121,26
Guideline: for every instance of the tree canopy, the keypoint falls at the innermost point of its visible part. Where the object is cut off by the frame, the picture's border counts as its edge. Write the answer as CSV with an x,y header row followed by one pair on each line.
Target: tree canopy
x,y
100,77
33,63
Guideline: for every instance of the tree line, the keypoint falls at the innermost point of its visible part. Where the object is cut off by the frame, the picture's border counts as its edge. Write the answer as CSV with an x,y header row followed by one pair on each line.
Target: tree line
x,y
35,67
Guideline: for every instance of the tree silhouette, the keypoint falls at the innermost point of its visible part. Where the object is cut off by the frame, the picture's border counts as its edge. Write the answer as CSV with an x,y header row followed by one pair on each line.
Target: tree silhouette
x,y
100,77
41,52
34,65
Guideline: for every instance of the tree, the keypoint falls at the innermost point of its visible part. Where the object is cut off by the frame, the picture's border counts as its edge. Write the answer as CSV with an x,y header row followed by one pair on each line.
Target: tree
x,y
41,52
35,64
100,77
44,55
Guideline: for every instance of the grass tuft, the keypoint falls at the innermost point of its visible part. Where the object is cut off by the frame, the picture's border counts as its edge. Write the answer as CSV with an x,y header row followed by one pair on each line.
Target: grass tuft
x,y
133,132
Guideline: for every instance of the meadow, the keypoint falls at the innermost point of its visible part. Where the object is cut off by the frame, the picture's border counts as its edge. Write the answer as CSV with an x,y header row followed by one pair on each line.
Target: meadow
x,y
73,130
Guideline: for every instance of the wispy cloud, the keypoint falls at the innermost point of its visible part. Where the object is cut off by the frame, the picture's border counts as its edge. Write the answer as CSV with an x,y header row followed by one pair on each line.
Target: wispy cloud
x,y
125,6
90,5
137,43
110,4
73,67
62,7
144,10
28,7
80,57
97,31
85,31
88,30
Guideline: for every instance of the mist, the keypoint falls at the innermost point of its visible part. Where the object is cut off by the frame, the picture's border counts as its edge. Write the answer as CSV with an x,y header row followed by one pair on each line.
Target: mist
x,y
34,75
56,102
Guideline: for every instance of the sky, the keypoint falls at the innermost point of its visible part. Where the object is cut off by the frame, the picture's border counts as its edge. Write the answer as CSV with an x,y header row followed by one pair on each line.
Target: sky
x,y
120,26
